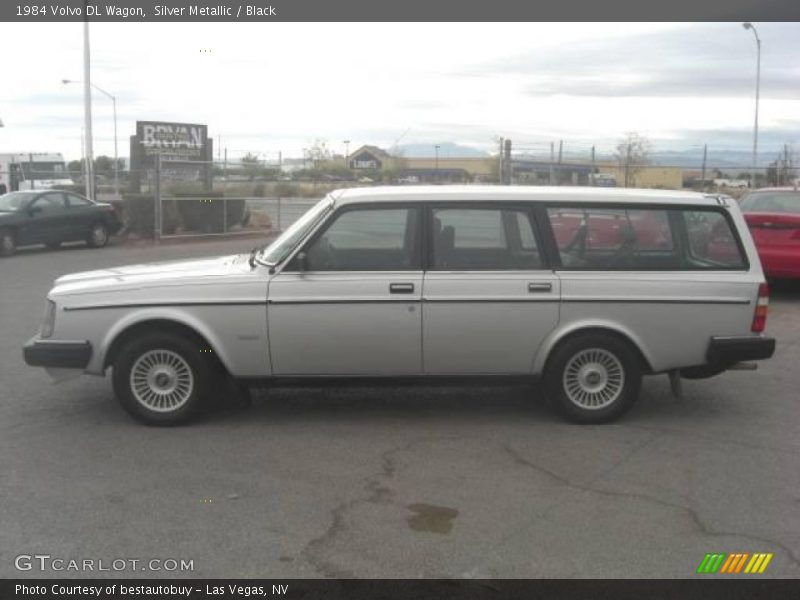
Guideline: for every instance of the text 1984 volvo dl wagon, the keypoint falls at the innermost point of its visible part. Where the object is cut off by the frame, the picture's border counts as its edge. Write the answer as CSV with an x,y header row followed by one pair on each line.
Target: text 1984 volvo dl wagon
x,y
586,289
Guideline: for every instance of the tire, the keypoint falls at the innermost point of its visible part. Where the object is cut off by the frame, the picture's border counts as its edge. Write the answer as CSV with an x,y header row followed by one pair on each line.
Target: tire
x,y
8,242
98,235
162,378
593,378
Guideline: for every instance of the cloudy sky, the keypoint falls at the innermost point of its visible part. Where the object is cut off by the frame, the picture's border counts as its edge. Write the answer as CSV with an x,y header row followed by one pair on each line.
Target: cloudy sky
x,y
269,87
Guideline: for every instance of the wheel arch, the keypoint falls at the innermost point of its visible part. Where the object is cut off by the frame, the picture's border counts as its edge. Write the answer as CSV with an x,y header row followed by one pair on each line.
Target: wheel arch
x,y
561,335
128,329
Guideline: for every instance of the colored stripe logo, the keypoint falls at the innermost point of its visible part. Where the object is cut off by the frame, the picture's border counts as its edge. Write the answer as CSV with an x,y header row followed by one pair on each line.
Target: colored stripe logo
x,y
733,563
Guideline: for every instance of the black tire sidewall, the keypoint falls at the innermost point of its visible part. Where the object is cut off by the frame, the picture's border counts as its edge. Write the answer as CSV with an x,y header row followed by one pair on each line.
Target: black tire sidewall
x,y
566,350
189,350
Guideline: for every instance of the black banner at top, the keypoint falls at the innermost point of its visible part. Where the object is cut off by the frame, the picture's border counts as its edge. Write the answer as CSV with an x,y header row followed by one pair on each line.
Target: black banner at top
x,y
33,11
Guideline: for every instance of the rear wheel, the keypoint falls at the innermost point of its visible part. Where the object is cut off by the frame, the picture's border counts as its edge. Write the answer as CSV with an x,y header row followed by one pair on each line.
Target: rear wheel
x,y
162,378
98,235
593,378
8,242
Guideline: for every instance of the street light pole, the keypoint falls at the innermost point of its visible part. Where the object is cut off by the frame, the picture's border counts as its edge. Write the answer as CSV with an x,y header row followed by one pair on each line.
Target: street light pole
x,y
87,111
436,148
752,28
346,153
113,99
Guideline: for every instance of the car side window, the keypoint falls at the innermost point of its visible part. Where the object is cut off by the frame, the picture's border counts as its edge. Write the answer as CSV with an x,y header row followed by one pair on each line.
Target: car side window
x,y
368,239
77,201
497,239
49,202
712,243
613,239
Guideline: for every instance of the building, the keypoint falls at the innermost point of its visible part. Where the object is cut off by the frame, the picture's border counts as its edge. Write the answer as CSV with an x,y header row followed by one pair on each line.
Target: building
x,y
371,159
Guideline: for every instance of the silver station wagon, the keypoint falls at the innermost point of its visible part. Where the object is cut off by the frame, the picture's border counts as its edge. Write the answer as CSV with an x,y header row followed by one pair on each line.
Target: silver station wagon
x,y
583,289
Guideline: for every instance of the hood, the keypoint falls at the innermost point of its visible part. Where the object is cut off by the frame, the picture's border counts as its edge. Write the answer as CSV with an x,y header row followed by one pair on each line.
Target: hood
x,y
160,274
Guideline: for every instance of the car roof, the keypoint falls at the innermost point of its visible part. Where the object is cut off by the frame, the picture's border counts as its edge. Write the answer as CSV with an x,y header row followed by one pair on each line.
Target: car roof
x,y
490,193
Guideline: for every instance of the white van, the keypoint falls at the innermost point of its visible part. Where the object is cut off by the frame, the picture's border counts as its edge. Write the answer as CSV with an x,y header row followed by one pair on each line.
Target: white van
x,y
32,171
586,289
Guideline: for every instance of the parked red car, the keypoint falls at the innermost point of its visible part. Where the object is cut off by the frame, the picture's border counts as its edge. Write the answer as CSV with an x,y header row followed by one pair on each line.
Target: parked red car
x,y
773,215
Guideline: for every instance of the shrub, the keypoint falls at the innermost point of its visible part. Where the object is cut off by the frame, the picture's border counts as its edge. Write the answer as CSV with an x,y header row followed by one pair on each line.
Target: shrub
x,y
210,213
139,215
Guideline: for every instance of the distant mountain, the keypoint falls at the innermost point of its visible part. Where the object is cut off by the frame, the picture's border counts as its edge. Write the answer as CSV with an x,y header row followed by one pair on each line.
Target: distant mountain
x,y
446,150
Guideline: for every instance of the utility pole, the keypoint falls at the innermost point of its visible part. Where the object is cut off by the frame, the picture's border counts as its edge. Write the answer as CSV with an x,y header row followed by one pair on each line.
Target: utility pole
x,y
507,169
552,160
500,174
594,168
785,162
703,176
627,165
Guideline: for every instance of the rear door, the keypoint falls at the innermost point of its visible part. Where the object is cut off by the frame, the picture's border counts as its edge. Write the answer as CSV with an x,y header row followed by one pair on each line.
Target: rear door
x,y
81,214
489,298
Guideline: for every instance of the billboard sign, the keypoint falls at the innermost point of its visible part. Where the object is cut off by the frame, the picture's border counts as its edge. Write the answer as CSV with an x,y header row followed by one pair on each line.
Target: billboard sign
x,y
172,141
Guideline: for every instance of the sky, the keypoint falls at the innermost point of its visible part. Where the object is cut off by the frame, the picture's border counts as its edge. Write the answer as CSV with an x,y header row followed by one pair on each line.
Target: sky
x,y
267,88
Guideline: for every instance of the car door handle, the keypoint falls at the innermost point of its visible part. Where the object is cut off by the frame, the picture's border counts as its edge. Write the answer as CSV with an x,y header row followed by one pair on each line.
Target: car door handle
x,y
540,287
401,288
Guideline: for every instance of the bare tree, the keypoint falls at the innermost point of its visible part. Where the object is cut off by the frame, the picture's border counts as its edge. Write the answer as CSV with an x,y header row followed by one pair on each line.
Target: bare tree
x,y
632,155
318,153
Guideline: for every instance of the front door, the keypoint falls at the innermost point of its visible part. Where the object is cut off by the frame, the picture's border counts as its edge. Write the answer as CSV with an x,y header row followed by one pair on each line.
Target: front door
x,y
46,220
349,304
488,300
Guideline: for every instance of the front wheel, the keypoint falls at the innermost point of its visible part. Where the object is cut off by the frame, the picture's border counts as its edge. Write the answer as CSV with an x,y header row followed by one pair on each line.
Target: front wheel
x,y
161,378
593,378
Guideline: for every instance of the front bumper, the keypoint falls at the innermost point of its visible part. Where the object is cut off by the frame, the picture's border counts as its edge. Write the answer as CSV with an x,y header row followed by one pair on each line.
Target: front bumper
x,y
66,354
730,350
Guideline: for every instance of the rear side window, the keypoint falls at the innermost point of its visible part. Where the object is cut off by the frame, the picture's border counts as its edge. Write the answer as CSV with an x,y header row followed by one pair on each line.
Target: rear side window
x,y
75,201
711,242
646,239
605,238
772,202
466,239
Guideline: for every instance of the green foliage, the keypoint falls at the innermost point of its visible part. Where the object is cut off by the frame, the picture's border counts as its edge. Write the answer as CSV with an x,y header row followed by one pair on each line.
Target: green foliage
x,y
139,214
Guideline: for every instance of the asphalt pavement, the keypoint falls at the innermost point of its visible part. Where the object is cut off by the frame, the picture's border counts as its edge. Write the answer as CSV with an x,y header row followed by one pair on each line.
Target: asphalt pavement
x,y
411,482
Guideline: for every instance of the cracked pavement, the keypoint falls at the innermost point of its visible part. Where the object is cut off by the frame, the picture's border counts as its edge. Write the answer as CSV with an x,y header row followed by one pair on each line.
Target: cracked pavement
x,y
411,482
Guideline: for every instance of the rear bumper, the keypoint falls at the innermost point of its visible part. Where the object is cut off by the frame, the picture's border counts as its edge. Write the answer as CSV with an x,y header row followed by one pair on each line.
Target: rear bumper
x,y
66,354
730,350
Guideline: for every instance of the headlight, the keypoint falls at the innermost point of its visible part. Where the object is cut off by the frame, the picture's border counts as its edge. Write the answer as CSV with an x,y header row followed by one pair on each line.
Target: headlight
x,y
49,320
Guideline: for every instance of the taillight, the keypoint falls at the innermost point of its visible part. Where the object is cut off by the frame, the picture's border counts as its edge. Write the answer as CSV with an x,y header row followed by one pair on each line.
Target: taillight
x,y
760,315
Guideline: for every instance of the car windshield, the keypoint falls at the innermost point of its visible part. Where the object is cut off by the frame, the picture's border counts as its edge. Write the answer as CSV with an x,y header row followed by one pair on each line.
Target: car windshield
x,y
15,201
772,202
283,245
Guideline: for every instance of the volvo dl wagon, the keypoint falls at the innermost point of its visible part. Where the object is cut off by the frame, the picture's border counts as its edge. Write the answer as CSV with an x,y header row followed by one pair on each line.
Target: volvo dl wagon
x,y
582,290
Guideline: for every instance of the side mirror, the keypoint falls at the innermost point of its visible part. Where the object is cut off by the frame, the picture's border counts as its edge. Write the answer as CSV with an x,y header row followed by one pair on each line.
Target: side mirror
x,y
34,210
302,261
